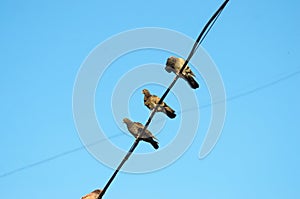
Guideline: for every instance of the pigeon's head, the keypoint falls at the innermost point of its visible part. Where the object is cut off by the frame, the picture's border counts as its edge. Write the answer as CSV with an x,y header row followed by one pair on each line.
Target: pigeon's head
x,y
171,61
175,62
146,92
126,121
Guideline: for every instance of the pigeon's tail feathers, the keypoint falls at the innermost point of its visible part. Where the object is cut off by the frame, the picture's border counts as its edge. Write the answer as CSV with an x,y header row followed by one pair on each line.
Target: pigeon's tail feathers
x,y
192,82
154,144
170,112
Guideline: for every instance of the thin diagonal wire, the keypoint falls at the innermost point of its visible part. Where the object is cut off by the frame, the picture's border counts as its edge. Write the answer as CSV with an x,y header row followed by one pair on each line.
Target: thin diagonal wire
x,y
137,140
55,156
231,98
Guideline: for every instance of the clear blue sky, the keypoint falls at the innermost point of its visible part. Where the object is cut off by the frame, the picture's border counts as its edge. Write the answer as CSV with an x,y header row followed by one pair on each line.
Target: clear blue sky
x,y
255,45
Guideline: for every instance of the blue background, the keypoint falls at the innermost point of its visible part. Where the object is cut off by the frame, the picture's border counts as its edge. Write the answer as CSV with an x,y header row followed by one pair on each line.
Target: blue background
x,y
255,45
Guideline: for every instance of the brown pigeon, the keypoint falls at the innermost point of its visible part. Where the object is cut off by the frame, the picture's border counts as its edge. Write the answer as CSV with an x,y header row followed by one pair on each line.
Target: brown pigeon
x,y
152,100
93,195
135,128
174,65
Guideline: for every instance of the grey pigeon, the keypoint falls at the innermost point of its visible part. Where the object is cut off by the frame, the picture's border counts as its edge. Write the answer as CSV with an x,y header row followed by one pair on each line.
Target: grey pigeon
x,y
174,65
152,100
135,128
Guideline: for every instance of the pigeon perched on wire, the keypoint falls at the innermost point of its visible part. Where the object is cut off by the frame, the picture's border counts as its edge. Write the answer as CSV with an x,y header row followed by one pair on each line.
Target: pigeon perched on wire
x,y
174,65
136,128
93,195
152,100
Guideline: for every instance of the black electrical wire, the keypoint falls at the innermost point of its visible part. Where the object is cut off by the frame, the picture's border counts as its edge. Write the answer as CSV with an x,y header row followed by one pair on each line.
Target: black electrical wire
x,y
200,38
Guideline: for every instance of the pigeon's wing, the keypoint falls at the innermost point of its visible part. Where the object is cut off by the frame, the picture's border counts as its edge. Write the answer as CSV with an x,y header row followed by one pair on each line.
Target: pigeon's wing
x,y
147,103
151,101
138,124
133,130
154,99
147,134
188,71
179,63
